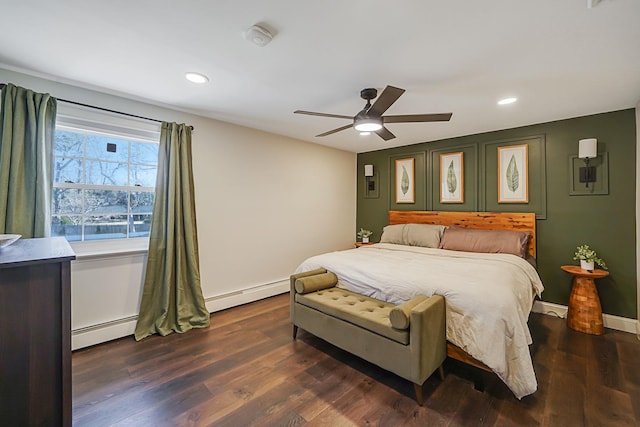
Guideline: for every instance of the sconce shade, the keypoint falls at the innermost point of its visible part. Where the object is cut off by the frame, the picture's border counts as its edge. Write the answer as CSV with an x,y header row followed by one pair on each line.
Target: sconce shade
x,y
368,170
588,148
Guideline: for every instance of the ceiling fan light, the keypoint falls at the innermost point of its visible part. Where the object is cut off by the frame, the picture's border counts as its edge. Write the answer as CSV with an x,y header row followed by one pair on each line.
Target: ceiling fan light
x,y
368,124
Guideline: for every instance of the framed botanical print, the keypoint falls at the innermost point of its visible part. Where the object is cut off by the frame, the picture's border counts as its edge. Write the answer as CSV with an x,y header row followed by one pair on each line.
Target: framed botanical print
x,y
405,181
513,170
452,177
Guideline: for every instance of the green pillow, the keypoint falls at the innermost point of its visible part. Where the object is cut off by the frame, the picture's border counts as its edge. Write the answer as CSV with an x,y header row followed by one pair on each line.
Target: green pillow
x,y
400,315
304,285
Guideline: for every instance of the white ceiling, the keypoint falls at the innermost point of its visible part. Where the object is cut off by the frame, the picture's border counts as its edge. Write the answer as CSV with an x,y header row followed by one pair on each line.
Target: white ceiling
x,y
560,58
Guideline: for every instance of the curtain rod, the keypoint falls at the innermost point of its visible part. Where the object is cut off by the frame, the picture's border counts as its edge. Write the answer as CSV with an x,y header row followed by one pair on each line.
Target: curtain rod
x,y
2,85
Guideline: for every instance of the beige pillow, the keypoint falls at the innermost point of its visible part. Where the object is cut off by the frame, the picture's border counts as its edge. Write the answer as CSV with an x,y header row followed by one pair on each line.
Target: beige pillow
x,y
400,315
486,241
425,235
393,234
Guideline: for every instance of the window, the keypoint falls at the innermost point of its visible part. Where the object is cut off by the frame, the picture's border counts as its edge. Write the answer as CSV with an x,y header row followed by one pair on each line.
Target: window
x,y
104,175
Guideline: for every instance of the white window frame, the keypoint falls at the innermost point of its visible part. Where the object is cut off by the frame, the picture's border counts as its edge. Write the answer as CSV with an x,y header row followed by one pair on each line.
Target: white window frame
x,y
88,120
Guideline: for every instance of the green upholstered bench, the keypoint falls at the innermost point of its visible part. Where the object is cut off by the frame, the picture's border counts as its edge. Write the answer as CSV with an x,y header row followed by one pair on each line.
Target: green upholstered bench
x,y
408,339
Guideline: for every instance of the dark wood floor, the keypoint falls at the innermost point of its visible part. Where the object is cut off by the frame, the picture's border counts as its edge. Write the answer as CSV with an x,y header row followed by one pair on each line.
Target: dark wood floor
x,y
246,370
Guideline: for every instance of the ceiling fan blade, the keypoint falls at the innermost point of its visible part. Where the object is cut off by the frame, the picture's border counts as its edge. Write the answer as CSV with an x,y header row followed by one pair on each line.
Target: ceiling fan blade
x,y
311,113
385,134
389,95
336,130
409,118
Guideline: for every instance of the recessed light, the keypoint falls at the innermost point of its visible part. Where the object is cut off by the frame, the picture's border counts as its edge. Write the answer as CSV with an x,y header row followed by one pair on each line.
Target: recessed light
x,y
196,77
507,101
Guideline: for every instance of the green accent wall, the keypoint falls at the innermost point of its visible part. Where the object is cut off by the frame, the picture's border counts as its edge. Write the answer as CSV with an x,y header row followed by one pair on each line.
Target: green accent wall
x,y
566,218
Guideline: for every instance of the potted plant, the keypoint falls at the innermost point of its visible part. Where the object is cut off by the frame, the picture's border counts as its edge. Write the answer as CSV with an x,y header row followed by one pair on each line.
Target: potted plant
x,y
364,235
588,258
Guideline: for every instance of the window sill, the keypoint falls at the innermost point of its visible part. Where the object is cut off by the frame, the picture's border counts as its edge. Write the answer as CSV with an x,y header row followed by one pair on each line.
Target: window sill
x,y
108,248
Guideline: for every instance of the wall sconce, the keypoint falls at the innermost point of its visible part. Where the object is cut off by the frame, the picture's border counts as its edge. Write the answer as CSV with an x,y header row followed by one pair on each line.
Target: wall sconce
x,y
368,170
370,180
588,149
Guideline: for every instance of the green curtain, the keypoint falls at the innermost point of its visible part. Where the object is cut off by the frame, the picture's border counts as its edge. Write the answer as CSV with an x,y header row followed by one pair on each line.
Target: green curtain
x,y
27,125
172,297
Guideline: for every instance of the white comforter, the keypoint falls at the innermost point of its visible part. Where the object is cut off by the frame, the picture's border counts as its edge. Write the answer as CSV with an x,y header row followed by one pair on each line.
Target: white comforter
x,y
488,297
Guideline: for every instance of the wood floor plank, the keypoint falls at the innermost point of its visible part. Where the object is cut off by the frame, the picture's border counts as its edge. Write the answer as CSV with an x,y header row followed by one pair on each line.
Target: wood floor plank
x,y
511,414
246,370
228,397
111,392
393,409
573,342
474,410
166,383
348,408
566,399
239,385
156,413
332,380
603,367
607,406
634,395
264,404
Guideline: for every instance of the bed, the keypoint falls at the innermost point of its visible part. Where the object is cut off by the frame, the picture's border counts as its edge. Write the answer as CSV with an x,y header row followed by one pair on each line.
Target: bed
x,y
488,295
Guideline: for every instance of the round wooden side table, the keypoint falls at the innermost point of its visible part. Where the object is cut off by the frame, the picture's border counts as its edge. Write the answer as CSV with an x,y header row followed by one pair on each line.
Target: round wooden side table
x,y
585,311
359,244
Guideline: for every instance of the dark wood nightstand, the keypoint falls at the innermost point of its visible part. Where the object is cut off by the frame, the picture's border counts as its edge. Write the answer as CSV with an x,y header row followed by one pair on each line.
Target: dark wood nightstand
x,y
585,312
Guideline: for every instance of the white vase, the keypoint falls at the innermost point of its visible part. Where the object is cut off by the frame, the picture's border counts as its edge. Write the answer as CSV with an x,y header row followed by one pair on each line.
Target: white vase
x,y
585,265
365,240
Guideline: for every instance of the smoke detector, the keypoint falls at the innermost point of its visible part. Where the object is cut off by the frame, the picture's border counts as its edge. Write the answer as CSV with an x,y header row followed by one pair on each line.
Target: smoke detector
x,y
258,35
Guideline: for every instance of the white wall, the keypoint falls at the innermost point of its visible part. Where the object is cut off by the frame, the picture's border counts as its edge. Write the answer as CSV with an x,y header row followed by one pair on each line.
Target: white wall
x,y
263,202
275,202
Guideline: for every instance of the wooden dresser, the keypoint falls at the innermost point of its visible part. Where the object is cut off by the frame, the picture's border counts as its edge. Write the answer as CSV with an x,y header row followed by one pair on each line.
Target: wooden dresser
x,y
35,333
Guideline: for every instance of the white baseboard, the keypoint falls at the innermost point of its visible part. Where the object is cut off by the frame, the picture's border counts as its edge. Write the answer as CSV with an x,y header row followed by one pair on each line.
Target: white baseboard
x,y
102,332
107,331
610,321
222,302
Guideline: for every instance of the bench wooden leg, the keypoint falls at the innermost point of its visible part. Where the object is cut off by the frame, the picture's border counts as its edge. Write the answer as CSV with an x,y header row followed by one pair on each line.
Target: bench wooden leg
x,y
418,390
295,331
441,371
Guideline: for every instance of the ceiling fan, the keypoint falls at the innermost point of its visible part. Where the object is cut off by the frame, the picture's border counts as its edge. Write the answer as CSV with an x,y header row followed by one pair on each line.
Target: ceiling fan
x,y
370,118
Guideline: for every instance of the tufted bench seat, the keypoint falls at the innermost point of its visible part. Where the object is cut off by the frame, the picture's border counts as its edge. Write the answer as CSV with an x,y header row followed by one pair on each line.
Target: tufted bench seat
x,y
408,340
366,312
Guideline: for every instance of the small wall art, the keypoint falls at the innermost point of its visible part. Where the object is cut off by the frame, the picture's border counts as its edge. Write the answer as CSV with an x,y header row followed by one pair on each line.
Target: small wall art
x,y
452,177
513,169
405,181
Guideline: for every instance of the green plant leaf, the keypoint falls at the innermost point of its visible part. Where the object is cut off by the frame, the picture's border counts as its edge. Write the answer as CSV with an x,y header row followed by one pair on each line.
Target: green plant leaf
x,y
364,233
513,176
584,252
404,183
452,182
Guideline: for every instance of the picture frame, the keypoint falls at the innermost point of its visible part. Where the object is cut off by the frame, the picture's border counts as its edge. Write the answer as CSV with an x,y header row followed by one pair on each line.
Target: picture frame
x,y
405,181
513,174
452,177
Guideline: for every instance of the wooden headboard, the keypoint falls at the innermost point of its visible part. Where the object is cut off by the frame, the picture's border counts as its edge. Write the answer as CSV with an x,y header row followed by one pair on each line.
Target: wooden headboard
x,y
481,220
